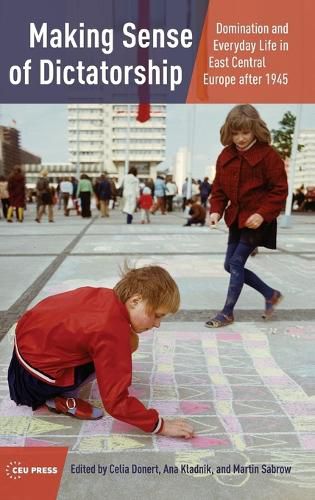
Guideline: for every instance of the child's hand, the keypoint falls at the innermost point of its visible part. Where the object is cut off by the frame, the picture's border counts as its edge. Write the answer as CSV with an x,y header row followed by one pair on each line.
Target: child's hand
x,y
214,219
254,221
177,428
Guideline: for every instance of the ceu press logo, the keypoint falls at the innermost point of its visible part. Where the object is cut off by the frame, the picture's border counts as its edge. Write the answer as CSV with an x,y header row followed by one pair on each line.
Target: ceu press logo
x,y
15,470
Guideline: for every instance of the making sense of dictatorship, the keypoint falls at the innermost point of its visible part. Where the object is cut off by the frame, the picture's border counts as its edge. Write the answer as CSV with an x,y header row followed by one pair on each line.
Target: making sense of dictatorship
x,y
55,72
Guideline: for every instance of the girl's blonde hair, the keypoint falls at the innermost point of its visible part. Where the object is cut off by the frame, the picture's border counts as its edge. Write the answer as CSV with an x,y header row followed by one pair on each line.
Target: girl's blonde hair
x,y
244,117
153,283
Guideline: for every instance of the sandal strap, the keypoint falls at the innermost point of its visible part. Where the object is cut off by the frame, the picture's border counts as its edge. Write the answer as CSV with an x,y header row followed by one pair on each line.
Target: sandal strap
x,y
213,322
216,322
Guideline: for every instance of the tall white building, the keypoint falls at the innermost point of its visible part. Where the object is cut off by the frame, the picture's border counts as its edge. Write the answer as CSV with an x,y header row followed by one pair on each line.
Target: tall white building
x,y
180,167
107,137
305,160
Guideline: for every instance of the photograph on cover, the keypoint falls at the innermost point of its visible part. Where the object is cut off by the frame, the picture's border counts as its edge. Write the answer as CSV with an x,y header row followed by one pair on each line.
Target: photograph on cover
x,y
247,388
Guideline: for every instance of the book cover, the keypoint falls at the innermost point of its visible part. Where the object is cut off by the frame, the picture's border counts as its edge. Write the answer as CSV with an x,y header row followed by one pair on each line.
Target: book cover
x,y
169,72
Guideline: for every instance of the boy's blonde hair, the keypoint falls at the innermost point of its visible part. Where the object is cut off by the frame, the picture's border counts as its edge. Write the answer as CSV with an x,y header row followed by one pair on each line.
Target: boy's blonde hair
x,y
246,118
153,283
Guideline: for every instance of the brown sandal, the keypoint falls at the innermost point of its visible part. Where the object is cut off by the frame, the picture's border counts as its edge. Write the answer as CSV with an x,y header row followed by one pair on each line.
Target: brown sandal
x,y
219,320
271,303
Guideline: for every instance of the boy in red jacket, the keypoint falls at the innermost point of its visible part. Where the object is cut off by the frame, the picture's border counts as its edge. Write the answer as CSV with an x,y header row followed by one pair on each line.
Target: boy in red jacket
x,y
145,203
67,337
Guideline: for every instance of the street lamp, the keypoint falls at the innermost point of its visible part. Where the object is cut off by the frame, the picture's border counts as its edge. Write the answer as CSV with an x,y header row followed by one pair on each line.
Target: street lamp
x,y
190,154
77,173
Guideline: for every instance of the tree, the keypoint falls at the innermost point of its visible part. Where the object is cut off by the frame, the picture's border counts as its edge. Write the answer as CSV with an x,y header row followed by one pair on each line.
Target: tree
x,y
283,137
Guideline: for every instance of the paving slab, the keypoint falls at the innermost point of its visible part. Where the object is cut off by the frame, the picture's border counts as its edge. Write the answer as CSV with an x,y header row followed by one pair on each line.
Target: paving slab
x,y
202,284
47,244
26,269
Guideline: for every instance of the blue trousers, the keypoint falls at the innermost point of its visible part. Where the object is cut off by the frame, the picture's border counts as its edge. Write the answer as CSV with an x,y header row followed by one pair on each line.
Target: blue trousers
x,y
235,260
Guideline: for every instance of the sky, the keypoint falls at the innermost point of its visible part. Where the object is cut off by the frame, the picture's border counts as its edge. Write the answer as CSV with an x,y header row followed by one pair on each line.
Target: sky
x,y
43,129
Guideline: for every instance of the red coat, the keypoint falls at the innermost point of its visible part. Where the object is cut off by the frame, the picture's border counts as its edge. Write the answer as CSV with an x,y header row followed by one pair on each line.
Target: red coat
x,y
253,181
16,188
74,328
146,201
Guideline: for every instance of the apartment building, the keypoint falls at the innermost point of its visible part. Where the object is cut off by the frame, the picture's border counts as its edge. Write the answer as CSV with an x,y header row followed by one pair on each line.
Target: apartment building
x,y
108,137
305,159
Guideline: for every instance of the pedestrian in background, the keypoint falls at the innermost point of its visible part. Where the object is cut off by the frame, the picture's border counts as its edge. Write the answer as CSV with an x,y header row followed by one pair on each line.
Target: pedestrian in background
x,y
159,193
250,188
84,192
4,195
197,213
150,184
104,195
66,190
171,191
131,192
58,193
145,204
205,190
113,192
44,195
17,194
184,193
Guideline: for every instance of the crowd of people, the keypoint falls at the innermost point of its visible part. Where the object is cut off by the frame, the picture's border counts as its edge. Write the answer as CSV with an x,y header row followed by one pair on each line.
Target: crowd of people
x,y
148,196
68,194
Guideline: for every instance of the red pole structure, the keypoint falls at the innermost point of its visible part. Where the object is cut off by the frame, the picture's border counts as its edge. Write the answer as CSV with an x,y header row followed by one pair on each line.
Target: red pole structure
x,y
144,107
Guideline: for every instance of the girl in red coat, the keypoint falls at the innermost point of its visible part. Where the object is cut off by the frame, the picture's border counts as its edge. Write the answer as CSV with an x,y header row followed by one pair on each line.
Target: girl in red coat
x,y
145,203
250,189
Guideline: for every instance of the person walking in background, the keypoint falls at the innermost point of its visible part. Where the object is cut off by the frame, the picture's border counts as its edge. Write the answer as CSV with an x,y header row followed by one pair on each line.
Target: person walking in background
x,y
104,194
84,192
131,192
75,199
171,191
145,204
197,213
298,199
66,190
4,195
113,192
58,193
17,194
150,184
195,191
159,193
184,193
250,188
205,190
44,195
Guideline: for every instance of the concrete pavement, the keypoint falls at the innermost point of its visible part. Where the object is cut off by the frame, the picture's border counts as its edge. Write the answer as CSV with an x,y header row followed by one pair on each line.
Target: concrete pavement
x,y
249,389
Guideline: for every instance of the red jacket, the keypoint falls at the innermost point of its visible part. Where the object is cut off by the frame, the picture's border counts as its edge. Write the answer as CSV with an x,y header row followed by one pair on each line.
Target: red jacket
x,y
74,328
146,201
249,182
